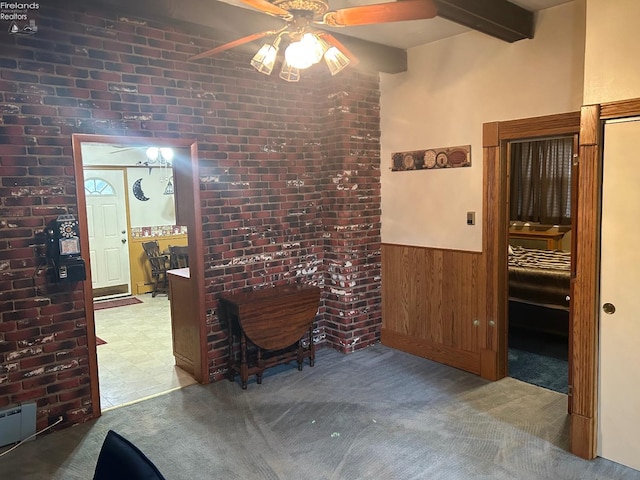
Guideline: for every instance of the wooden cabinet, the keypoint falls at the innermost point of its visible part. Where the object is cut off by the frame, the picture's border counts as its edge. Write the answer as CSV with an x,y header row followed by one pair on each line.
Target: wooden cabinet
x,y
184,326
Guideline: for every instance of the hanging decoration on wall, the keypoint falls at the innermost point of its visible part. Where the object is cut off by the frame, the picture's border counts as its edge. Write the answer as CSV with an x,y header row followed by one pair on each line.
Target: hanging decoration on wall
x,y
168,190
137,191
449,157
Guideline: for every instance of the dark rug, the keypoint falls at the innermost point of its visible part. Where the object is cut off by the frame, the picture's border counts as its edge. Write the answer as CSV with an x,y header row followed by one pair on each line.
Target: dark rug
x,y
541,370
540,357
116,302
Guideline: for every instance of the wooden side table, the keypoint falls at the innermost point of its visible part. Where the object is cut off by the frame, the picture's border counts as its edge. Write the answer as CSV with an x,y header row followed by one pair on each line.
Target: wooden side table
x,y
273,320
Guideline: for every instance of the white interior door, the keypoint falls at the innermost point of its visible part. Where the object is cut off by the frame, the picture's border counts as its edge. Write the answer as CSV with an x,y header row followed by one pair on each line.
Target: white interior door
x,y
107,226
619,397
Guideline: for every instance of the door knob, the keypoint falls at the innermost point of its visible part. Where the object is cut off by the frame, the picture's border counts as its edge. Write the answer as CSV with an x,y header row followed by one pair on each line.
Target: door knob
x,y
609,308
124,240
123,232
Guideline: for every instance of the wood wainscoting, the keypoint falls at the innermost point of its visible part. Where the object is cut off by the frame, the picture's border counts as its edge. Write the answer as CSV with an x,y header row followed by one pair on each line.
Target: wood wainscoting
x,y
434,306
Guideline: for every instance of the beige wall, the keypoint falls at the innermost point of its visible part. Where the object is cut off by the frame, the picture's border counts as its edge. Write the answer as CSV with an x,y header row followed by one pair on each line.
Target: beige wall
x,y
612,51
451,88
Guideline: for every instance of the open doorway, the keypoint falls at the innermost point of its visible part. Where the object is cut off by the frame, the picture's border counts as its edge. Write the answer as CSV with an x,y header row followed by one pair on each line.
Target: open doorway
x,y
137,357
540,214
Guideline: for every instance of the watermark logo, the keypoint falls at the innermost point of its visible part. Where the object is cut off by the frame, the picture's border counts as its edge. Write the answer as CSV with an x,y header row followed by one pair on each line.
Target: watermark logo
x,y
18,16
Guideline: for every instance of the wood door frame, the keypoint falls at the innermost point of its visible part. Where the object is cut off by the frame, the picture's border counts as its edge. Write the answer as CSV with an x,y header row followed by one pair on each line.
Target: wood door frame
x,y
187,213
496,136
586,290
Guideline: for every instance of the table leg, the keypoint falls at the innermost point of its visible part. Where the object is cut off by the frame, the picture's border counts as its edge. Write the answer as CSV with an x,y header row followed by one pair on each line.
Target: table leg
x,y
230,359
300,357
260,364
312,348
244,369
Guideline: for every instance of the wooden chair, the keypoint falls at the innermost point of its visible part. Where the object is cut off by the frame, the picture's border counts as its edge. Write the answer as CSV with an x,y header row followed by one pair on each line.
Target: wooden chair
x,y
178,256
159,264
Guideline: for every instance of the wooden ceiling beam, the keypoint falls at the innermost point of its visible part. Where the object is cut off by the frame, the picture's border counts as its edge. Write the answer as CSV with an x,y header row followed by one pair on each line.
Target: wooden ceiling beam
x,y
498,18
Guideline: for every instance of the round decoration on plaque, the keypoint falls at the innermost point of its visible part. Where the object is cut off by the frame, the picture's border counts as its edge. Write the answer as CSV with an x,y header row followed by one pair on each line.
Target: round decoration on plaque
x,y
442,160
429,159
397,161
408,162
432,158
457,158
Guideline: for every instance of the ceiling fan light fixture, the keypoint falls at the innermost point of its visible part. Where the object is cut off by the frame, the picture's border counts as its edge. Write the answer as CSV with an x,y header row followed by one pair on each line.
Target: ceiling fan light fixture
x,y
264,60
162,154
335,60
289,72
304,53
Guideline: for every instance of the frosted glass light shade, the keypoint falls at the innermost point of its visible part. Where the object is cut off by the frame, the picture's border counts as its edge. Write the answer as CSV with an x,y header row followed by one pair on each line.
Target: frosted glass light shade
x,y
265,59
305,52
289,72
335,60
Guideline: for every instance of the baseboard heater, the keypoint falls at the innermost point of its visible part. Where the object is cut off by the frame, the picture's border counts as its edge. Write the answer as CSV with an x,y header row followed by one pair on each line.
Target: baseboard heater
x,y
17,423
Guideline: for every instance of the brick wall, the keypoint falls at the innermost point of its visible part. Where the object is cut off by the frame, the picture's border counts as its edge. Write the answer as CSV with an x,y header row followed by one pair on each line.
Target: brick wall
x,y
289,177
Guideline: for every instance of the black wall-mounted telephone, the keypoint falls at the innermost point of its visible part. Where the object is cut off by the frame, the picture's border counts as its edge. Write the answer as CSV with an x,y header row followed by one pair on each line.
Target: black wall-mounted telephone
x,y
63,249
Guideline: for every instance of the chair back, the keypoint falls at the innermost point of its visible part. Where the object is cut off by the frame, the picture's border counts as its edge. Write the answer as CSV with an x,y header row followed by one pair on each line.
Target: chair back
x,y
121,459
178,256
157,261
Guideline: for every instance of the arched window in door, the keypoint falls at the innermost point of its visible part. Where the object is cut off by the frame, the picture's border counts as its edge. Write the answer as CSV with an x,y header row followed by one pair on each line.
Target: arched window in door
x,y
98,186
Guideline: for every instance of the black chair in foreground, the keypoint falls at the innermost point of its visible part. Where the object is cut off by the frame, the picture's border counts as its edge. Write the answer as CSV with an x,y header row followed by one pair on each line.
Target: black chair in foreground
x,y
120,459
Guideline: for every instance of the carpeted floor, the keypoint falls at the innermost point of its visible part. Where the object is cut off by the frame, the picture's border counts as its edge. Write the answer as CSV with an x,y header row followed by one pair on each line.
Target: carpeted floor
x,y
374,414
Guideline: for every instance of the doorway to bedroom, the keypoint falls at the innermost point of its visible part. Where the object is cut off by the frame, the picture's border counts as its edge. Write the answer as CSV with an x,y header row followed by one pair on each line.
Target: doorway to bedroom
x,y
540,211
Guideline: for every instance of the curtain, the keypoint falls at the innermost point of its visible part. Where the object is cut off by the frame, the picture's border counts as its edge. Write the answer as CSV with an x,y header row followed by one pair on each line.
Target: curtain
x,y
540,181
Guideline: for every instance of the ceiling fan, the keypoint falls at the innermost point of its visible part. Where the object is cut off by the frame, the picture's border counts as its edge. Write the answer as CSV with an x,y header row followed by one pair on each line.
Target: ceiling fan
x,y
307,45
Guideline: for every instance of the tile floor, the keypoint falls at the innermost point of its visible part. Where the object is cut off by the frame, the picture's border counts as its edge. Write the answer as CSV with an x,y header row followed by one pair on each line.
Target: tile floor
x,y
137,360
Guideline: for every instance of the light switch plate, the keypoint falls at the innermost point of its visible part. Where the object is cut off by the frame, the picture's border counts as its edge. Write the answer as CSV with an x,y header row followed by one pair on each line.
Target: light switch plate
x,y
471,218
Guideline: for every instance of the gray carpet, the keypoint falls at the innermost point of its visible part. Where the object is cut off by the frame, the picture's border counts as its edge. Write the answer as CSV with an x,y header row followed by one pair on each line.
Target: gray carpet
x,y
374,414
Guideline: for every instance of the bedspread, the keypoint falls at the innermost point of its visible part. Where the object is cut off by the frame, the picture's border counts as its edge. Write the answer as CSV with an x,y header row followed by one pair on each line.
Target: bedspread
x,y
540,277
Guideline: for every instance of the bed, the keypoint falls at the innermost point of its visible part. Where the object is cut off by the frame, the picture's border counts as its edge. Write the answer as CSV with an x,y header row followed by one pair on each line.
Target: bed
x,y
539,277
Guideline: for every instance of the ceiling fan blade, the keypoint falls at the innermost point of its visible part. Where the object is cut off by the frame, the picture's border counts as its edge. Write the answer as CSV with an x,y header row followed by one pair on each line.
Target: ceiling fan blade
x,y
333,41
235,43
267,7
381,13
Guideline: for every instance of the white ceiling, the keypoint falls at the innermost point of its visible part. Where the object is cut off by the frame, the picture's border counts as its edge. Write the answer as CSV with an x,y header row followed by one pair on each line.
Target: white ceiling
x,y
410,34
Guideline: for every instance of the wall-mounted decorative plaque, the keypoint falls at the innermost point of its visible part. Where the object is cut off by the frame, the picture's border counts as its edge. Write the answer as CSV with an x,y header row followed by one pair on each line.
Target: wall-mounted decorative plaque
x,y
450,157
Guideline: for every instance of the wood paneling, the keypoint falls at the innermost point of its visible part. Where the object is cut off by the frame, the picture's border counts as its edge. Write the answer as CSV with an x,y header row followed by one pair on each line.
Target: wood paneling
x,y
469,361
431,303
